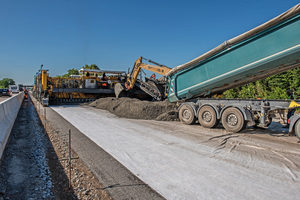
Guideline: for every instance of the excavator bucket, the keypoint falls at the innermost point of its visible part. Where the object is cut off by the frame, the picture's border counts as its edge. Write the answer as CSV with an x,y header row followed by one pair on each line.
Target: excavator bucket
x,y
120,90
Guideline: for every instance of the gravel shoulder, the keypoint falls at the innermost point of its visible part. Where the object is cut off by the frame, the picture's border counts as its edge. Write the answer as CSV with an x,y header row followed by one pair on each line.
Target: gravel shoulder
x,y
26,171
32,167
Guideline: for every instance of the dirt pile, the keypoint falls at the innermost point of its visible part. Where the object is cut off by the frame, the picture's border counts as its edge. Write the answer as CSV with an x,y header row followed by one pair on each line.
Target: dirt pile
x,y
137,109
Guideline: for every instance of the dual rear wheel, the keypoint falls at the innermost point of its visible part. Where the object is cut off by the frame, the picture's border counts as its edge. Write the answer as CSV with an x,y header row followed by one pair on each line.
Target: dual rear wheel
x,y
186,114
207,117
232,119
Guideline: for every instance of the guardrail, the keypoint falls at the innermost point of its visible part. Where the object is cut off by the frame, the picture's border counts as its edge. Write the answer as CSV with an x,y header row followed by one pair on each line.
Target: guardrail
x,y
8,113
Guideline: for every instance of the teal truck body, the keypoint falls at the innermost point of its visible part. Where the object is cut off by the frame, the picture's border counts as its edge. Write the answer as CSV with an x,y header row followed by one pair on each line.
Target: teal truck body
x,y
269,49
266,50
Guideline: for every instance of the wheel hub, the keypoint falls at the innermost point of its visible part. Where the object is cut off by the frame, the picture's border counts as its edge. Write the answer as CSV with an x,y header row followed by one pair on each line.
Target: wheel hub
x,y
207,116
186,114
232,120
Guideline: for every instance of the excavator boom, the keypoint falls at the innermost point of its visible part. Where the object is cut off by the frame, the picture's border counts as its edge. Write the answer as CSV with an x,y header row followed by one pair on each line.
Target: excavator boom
x,y
138,65
151,88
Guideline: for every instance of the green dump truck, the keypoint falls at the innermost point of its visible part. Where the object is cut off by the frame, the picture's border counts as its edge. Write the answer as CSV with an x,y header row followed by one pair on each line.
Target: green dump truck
x,y
266,50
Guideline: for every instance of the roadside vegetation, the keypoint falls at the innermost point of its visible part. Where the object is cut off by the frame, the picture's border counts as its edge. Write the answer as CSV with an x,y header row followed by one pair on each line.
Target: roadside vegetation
x,y
74,71
273,87
4,83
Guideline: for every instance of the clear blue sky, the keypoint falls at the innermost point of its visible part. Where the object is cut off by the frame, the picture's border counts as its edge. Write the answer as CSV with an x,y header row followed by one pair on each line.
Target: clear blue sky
x,y
65,34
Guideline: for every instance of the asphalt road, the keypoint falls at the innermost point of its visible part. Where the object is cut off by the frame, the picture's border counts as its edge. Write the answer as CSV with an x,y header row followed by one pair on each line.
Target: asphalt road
x,y
3,98
184,161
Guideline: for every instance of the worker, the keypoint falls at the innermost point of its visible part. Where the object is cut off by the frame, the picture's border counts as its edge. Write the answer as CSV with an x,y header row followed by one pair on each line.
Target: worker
x,y
104,77
25,94
291,112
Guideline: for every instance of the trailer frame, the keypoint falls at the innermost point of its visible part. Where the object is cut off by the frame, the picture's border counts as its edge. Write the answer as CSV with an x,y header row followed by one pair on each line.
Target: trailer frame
x,y
235,114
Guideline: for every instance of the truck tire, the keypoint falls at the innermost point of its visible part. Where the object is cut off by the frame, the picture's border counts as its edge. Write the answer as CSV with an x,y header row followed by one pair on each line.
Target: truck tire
x,y
233,120
297,128
207,117
186,114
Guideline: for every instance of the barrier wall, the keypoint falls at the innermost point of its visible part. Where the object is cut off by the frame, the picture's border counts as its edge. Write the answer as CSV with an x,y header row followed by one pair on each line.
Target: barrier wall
x,y
8,113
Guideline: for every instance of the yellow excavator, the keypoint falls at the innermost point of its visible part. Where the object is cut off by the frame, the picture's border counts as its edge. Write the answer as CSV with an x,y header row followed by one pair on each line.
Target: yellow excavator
x,y
153,87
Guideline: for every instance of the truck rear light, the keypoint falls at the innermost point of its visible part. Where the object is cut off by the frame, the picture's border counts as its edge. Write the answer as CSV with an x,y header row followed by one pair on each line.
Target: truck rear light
x,y
289,121
104,84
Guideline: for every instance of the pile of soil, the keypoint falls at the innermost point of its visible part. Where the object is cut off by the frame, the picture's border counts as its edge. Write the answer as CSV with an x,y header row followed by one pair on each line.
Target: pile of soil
x,y
137,109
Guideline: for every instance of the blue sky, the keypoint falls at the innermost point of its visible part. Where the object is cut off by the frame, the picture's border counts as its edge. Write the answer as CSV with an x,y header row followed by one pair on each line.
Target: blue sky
x,y
65,34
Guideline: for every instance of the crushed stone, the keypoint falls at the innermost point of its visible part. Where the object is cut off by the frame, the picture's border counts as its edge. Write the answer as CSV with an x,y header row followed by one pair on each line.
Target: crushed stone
x,y
137,109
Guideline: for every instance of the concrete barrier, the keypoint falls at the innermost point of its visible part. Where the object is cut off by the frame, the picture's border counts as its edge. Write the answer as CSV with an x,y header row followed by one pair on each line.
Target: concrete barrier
x,y
8,113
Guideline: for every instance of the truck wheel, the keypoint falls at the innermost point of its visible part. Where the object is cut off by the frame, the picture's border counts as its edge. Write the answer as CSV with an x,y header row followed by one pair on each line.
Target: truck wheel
x,y
207,117
297,128
233,120
187,115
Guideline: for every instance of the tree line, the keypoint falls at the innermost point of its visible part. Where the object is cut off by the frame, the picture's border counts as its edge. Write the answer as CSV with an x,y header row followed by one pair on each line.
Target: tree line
x,y
74,71
273,87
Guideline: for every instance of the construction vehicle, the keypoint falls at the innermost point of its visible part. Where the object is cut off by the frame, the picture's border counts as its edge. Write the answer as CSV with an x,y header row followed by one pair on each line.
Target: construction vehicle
x,y
88,86
266,50
153,87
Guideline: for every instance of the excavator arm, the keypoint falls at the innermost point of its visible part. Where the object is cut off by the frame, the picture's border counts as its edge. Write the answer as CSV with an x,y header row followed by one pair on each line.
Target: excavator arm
x,y
138,65
149,88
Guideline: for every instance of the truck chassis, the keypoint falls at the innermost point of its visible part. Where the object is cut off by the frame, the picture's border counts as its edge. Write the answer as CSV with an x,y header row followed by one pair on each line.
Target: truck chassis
x,y
235,114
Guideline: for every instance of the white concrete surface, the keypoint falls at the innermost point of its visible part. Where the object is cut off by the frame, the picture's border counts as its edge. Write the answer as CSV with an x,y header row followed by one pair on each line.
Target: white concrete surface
x,y
182,168
8,112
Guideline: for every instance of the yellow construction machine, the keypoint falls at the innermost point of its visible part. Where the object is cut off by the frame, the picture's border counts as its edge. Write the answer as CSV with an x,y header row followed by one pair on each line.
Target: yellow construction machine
x,y
151,86
88,86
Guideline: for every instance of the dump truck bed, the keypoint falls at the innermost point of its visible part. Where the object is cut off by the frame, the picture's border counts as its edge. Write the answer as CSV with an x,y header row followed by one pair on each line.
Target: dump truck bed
x,y
268,49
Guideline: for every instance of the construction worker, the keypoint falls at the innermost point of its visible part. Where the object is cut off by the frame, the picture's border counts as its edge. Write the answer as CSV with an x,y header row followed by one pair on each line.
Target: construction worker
x,y
104,77
25,94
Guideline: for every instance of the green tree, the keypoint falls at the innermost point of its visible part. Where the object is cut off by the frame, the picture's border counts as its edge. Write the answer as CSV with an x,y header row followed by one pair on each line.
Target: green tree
x,y
4,83
71,72
277,93
231,93
273,87
92,66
